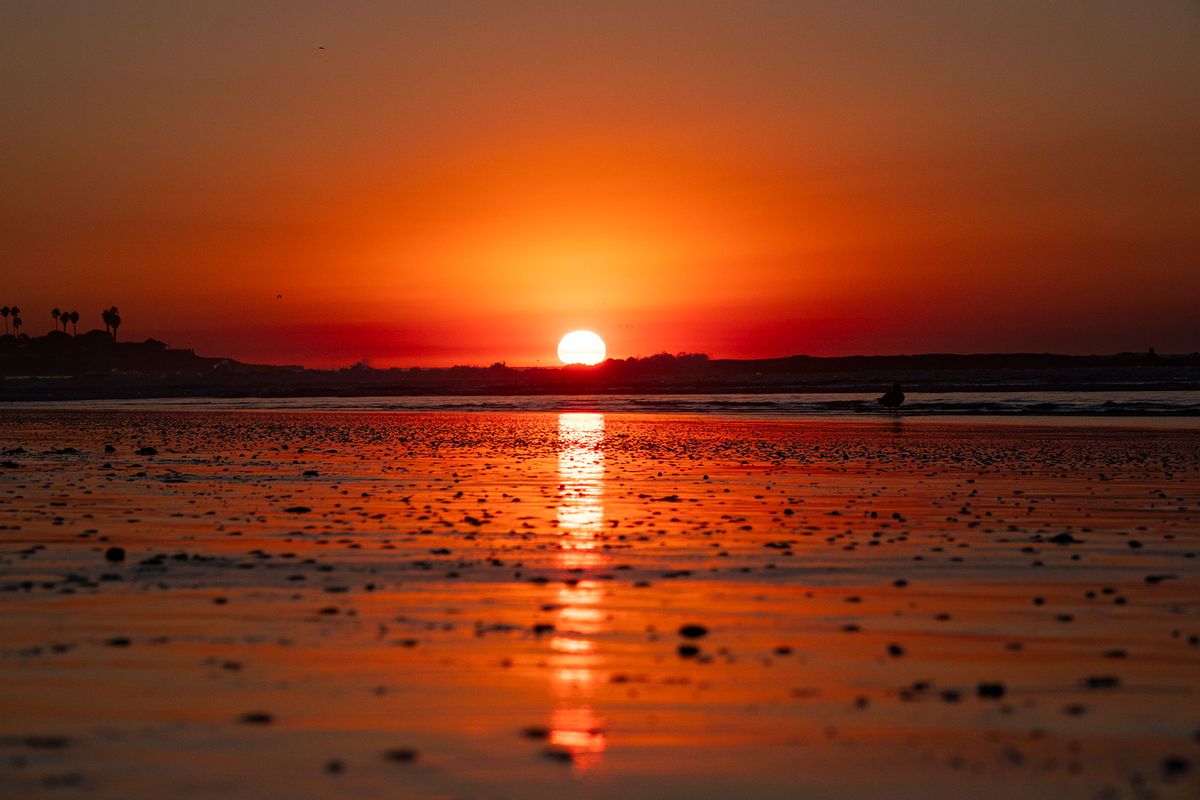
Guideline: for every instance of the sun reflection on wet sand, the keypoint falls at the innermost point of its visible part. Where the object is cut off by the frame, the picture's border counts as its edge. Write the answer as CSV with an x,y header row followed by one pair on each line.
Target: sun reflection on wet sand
x,y
505,614
574,725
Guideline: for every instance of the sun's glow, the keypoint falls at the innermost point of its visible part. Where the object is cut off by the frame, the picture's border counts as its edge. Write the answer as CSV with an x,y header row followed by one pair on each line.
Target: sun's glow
x,y
581,347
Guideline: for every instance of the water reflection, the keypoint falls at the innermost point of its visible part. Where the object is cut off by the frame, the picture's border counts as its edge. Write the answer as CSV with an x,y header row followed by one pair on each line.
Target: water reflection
x,y
574,725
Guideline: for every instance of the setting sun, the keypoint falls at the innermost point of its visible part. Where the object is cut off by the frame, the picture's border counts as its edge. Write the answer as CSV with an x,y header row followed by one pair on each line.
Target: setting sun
x,y
882,281
581,347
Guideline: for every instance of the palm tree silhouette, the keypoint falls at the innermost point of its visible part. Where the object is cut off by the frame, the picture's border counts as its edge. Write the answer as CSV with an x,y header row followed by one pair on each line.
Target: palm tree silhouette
x,y
74,323
112,319
17,321
54,312
4,312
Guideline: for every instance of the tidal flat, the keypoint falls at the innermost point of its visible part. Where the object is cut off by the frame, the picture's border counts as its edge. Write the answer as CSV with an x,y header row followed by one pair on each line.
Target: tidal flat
x,y
268,604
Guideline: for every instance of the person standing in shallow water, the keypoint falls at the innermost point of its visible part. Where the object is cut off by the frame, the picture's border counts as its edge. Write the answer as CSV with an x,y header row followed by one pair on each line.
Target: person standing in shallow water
x,y
892,398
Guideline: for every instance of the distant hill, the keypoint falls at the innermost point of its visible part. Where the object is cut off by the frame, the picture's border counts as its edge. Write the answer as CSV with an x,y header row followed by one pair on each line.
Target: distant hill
x,y
92,365
94,352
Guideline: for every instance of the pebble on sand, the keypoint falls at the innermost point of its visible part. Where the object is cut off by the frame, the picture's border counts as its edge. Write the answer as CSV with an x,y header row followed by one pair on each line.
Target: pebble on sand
x,y
46,742
559,754
1102,682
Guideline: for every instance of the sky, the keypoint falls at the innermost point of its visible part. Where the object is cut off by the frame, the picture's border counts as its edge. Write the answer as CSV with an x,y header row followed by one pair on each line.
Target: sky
x,y
462,183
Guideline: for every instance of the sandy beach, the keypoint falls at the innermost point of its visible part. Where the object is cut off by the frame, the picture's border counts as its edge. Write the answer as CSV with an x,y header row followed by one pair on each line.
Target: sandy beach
x,y
534,605
525,400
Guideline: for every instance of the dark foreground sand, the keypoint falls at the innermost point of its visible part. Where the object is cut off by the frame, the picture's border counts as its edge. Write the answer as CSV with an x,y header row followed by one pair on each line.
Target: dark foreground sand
x,y
273,605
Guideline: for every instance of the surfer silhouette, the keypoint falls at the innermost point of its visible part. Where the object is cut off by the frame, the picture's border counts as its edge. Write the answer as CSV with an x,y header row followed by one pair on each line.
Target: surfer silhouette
x,y
892,398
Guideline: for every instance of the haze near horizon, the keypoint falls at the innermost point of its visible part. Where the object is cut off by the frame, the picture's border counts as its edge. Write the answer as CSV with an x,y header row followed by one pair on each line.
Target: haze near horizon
x,y
316,183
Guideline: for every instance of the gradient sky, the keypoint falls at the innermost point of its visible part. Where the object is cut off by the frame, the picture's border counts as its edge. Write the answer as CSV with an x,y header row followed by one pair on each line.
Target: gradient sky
x,y
445,182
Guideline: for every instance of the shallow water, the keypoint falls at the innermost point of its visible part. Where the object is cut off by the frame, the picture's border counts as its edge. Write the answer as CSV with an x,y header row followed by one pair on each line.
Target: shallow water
x,y
1170,406
500,596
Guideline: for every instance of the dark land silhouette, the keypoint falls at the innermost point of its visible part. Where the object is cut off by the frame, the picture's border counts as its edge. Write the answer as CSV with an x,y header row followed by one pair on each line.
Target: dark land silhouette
x,y
94,365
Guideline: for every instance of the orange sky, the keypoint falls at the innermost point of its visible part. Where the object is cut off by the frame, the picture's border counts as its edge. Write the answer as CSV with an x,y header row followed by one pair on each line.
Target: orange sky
x,y
464,182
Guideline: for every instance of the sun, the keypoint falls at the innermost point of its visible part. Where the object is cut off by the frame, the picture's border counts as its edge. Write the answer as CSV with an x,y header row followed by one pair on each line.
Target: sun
x,y
581,347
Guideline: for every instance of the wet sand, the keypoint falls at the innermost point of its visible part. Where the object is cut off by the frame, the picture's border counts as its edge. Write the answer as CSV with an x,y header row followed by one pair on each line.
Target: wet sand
x,y
312,605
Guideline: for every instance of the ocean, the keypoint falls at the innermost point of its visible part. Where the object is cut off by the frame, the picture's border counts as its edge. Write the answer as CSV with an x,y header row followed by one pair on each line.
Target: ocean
x,y
1024,405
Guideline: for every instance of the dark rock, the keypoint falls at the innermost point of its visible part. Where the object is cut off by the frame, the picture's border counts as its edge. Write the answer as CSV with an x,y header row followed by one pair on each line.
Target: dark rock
x,y
559,754
46,742
1102,682
990,690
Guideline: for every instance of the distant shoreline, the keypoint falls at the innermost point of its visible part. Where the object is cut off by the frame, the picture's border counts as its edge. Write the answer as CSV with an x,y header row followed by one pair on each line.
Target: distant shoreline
x,y
92,366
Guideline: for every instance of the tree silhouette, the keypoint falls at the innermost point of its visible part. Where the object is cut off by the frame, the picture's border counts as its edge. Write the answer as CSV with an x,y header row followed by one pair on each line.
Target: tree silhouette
x,y
4,312
112,319
17,321
54,312
74,323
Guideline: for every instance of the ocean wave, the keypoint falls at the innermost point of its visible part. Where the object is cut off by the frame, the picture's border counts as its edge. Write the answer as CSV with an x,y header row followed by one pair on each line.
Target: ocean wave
x,y
1184,404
